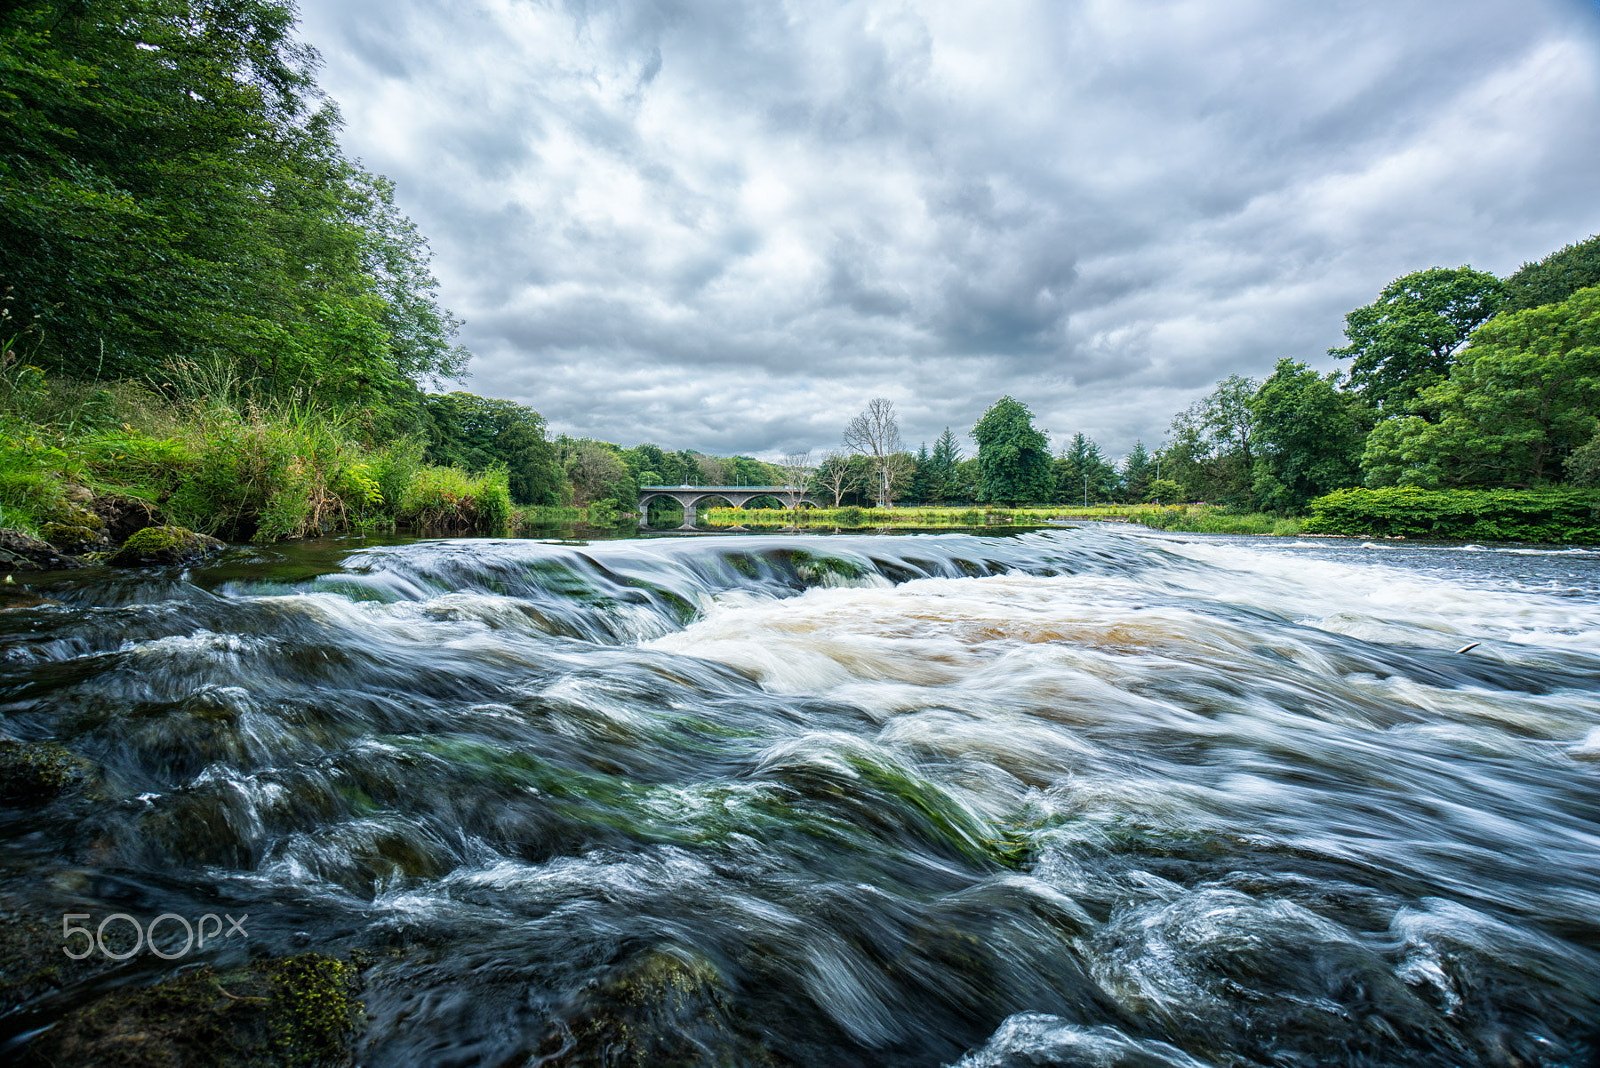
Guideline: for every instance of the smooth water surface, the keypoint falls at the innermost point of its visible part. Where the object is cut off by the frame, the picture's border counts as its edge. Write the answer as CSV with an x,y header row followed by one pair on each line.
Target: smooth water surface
x,y
1084,797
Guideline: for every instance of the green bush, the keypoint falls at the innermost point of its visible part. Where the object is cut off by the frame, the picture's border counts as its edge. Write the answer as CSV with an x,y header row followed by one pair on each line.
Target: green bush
x,y
448,500
1547,515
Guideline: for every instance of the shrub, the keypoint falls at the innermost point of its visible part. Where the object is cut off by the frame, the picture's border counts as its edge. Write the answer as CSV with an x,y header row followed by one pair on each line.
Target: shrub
x,y
1547,515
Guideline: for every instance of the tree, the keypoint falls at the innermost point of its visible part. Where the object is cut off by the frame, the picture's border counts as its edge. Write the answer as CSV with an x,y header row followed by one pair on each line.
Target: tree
x,y
478,433
1136,473
172,194
1405,340
597,472
1554,278
875,433
1163,491
796,468
942,468
1211,454
1013,456
1081,473
834,476
1519,403
1308,435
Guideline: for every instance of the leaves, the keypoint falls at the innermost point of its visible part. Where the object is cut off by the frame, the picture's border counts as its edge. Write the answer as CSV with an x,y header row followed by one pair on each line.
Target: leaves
x,y
1013,456
1403,342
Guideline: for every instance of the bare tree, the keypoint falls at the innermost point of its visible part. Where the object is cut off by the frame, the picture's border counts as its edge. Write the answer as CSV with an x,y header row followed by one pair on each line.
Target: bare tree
x,y
875,433
796,466
834,474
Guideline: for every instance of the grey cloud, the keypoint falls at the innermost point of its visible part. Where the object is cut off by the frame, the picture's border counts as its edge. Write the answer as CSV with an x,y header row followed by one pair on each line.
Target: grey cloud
x,y
725,226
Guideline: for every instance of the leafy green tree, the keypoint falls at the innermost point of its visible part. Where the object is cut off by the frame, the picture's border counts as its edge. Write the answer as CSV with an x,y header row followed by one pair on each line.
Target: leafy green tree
x,y
172,194
1211,453
1405,340
964,483
1013,456
1583,466
596,472
1308,436
1554,278
477,433
1518,404
1164,491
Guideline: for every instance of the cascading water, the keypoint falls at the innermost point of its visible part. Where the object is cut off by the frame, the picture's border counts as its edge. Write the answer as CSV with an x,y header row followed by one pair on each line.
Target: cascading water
x,y
1089,797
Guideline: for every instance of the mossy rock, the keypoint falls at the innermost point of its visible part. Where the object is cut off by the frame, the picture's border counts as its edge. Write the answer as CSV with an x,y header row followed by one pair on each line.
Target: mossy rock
x,y
665,1009
164,546
293,1012
73,538
35,772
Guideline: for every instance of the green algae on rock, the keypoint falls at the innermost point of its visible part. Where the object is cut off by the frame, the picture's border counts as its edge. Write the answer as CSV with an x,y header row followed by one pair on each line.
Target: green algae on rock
x,y
158,546
293,1012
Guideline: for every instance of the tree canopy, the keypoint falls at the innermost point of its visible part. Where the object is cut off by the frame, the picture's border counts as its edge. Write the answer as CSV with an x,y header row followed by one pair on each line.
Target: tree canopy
x,y
171,190
1013,456
1554,278
1308,436
1518,404
1404,341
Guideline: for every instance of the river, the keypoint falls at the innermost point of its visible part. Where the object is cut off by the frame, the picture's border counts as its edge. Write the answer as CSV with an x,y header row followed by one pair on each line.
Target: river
x,y
1089,796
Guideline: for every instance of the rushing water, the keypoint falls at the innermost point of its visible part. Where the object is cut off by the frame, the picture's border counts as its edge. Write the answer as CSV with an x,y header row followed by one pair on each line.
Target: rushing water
x,y
1085,797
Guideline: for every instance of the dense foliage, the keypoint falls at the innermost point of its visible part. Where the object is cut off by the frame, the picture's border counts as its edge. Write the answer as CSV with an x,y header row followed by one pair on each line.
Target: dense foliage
x,y
1549,515
1404,341
1013,456
1554,278
172,194
1519,403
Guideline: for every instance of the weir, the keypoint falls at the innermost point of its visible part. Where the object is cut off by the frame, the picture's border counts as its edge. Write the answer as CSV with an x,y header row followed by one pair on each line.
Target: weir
x,y
1087,796
690,496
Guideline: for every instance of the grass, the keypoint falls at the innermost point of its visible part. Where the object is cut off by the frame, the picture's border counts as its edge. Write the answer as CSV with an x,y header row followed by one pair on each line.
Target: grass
x,y
1198,518
220,465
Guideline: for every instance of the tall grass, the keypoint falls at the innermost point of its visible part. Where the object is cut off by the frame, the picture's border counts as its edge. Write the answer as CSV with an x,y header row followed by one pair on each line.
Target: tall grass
x,y
216,462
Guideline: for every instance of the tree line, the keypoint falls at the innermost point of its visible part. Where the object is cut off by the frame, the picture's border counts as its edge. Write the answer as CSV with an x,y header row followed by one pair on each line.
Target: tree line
x,y
1458,379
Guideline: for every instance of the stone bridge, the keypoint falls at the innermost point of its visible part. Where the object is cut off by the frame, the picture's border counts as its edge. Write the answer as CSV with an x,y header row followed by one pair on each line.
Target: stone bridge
x,y
689,496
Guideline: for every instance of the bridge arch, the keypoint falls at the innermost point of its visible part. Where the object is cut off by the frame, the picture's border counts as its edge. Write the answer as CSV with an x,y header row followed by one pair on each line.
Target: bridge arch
x,y
691,496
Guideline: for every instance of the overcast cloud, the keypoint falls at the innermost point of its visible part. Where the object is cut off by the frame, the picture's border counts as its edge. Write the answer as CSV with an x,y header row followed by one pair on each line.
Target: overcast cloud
x,y
725,226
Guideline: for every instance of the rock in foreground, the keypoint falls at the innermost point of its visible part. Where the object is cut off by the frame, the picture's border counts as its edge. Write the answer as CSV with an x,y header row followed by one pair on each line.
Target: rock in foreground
x,y
164,546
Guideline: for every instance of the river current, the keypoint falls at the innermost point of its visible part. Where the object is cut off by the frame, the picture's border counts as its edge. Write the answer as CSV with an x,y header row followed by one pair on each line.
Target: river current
x,y
1080,797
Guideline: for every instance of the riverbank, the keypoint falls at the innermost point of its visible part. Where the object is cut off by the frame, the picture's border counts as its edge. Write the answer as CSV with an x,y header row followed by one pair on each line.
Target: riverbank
x,y
1186,518
85,465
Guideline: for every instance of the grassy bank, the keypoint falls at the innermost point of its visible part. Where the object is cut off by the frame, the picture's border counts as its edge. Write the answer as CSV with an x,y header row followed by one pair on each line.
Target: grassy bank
x,y
75,456
1194,518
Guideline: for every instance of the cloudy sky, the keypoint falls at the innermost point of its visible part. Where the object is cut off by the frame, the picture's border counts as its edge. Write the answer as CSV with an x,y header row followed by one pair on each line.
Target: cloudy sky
x,y
726,225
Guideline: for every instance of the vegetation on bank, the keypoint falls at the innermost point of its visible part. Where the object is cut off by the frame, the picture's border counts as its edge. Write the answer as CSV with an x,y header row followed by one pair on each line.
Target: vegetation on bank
x,y
78,460
1198,518
1554,516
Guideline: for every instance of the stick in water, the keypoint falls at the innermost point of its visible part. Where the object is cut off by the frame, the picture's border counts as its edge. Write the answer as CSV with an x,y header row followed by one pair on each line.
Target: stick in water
x,y
1469,648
